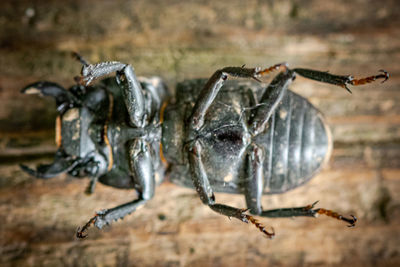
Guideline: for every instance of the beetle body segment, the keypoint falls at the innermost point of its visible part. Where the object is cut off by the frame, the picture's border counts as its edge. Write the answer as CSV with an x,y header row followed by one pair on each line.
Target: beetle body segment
x,y
122,134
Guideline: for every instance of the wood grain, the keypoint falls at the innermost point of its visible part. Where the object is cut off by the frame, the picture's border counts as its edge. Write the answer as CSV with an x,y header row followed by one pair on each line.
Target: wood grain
x,y
180,40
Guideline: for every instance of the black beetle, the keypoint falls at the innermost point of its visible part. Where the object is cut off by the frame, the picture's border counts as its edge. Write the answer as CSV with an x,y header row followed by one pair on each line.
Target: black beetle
x,y
214,136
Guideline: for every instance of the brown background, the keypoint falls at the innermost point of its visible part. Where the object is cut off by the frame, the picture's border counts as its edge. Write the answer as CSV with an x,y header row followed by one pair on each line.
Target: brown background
x,y
179,40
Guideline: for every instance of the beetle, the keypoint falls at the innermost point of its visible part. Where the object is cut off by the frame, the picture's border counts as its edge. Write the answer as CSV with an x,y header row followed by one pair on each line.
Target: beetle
x,y
216,135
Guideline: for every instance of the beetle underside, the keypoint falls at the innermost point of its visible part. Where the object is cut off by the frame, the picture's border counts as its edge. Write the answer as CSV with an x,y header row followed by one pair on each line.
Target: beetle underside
x,y
215,137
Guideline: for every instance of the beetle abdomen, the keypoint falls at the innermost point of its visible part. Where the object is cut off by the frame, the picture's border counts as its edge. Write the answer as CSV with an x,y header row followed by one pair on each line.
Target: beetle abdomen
x,y
296,144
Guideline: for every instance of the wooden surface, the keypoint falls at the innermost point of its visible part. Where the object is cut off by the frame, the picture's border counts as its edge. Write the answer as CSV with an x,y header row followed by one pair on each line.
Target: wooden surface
x,y
178,40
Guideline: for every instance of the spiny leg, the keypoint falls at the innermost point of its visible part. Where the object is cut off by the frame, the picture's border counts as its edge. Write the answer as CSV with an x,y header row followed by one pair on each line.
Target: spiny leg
x,y
340,80
203,188
270,99
104,217
126,78
142,169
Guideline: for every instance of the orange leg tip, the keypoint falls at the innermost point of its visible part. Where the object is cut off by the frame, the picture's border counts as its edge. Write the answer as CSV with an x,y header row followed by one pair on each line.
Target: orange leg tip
x,y
260,226
271,69
385,76
80,231
351,221
270,234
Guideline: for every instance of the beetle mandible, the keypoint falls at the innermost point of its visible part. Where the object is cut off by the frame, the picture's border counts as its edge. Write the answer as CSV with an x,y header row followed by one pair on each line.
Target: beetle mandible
x,y
214,135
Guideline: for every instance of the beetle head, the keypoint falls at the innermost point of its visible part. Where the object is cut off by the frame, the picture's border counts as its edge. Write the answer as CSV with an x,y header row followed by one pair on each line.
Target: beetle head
x,y
79,131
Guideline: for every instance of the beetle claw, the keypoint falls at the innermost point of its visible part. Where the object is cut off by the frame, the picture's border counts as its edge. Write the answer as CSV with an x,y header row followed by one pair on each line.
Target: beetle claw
x,y
386,75
80,232
352,222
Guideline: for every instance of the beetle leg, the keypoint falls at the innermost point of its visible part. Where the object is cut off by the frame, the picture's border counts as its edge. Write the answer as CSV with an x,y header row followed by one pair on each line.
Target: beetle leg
x,y
214,84
203,188
142,169
351,221
254,185
92,185
126,78
275,67
254,182
340,80
105,217
385,75
80,232
270,99
308,211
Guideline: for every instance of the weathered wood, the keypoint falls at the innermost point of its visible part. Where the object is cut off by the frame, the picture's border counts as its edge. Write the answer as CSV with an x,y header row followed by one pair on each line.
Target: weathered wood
x,y
178,40
41,218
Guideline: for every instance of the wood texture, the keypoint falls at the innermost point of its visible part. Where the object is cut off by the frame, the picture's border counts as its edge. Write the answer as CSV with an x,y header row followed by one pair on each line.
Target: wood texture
x,y
178,40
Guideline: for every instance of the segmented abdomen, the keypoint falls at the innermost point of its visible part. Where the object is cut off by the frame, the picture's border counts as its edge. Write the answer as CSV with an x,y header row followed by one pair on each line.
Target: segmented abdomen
x,y
296,144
